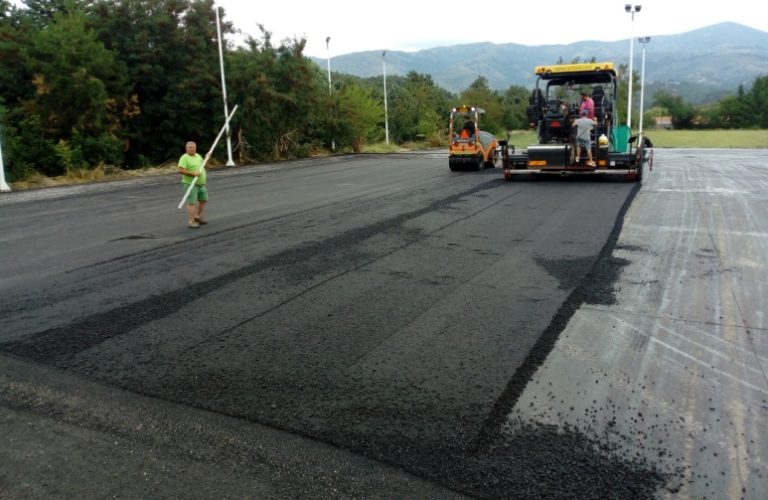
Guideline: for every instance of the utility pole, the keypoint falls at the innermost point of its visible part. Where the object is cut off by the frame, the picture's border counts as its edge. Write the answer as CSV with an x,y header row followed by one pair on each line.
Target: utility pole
x,y
386,118
630,9
230,163
643,40
4,187
330,88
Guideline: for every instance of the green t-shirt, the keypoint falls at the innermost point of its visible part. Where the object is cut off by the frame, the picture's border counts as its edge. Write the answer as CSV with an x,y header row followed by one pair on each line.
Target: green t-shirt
x,y
193,164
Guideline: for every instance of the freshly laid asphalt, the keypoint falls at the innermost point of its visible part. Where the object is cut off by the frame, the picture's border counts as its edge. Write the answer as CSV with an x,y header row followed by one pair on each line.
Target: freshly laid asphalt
x,y
378,327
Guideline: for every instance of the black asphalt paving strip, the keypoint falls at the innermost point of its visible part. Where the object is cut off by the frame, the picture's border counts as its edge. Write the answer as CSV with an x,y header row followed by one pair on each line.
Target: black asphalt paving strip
x,y
52,345
536,461
539,461
583,467
596,288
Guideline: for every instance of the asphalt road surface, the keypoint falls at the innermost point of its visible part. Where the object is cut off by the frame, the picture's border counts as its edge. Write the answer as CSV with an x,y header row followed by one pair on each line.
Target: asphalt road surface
x,y
378,326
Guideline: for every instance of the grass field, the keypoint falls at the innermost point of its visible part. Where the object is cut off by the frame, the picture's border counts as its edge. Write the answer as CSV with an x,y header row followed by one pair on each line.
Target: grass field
x,y
679,138
708,138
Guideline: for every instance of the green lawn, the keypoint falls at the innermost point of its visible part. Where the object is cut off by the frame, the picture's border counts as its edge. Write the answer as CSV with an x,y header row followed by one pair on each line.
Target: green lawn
x,y
679,138
708,138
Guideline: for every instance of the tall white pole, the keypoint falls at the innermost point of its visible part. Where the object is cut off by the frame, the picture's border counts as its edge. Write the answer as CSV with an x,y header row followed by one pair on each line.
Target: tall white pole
x,y
328,48
631,10
330,88
4,187
643,40
629,95
230,163
386,114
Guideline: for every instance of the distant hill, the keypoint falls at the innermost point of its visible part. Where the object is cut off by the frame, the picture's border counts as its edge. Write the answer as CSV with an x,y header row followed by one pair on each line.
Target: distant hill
x,y
701,65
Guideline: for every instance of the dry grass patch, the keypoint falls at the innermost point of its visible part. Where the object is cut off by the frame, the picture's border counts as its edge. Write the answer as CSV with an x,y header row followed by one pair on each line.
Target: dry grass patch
x,y
100,173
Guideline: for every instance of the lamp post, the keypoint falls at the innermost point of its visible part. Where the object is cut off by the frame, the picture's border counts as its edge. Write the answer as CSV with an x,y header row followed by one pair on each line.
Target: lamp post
x,y
4,187
230,163
330,91
643,40
629,8
328,47
386,117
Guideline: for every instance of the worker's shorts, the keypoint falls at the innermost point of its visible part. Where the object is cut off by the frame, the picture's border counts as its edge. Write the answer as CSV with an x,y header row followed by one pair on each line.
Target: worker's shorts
x,y
584,143
198,193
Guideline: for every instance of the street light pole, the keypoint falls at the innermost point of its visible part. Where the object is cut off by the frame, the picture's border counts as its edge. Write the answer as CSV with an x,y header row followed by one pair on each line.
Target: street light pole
x,y
629,8
330,91
643,40
328,47
4,187
230,163
386,117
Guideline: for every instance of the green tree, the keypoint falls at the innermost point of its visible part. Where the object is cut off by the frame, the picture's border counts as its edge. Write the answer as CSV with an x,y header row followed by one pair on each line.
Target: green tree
x,y
360,116
682,113
42,12
479,94
16,32
284,103
25,148
170,48
759,104
79,93
514,104
74,74
418,109
746,109
734,111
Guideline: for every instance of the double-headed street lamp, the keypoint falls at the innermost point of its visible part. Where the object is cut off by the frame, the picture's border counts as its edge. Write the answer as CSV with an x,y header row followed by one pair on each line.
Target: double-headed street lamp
x,y
643,40
631,9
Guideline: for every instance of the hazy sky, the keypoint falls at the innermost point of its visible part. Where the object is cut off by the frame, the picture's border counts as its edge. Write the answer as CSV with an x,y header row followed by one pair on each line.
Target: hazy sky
x,y
420,24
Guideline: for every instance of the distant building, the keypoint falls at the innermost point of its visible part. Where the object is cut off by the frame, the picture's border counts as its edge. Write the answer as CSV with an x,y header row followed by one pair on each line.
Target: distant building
x,y
664,122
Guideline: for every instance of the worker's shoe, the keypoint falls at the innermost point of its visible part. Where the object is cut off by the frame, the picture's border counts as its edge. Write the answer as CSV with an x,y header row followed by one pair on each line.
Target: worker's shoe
x,y
201,221
194,224
578,159
591,164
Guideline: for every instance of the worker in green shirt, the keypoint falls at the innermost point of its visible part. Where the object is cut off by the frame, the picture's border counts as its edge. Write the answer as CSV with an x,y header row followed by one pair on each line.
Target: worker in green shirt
x,y
191,166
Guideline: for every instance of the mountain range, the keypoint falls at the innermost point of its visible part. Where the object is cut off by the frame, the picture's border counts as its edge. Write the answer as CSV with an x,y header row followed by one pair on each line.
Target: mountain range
x,y
701,65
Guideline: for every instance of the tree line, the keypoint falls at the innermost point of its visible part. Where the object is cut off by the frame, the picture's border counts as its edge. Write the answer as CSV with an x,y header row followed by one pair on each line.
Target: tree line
x,y
747,109
127,82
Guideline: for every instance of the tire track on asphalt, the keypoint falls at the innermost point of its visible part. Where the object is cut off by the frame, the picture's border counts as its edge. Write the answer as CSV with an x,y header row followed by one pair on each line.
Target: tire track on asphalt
x,y
58,343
